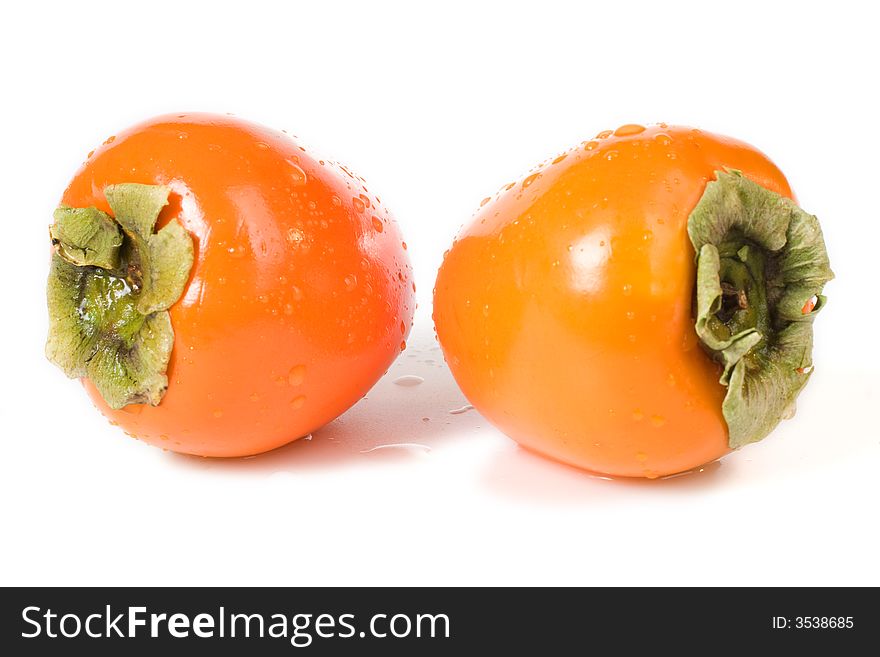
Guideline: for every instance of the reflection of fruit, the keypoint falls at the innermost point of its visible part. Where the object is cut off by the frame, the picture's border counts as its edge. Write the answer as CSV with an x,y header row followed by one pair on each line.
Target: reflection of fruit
x,y
299,297
566,309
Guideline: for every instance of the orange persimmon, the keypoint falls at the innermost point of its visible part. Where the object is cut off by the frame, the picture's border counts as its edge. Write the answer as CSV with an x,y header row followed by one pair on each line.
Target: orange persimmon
x,y
288,289
571,314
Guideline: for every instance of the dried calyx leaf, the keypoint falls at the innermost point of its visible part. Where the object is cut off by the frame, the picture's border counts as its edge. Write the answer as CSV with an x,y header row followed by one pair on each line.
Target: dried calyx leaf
x,y
111,282
760,260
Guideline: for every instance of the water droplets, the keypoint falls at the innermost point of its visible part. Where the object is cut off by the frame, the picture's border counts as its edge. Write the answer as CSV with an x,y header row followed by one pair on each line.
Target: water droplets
x,y
296,375
398,448
358,204
408,381
485,200
298,402
627,289
297,175
528,180
295,236
611,155
351,282
378,226
629,129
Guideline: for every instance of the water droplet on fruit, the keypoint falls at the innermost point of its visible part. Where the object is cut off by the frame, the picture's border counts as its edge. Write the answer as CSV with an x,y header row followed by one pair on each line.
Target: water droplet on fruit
x,y
404,246
378,226
298,401
297,175
658,420
630,314
604,134
560,158
590,145
296,375
358,204
610,155
529,180
484,201
627,289
351,282
109,140
408,380
629,129
402,345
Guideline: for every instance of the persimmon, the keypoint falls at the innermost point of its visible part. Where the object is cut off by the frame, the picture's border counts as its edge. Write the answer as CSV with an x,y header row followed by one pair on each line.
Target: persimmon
x,y
221,290
638,306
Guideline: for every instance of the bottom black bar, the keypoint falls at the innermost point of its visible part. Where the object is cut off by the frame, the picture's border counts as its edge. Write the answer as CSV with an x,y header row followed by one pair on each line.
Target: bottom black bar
x,y
433,621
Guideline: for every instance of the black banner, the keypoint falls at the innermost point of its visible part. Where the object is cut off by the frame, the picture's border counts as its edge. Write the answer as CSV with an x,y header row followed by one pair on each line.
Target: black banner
x,y
278,621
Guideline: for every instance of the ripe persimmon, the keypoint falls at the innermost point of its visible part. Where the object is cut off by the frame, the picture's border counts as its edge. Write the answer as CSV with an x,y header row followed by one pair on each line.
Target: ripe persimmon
x,y
572,315
273,295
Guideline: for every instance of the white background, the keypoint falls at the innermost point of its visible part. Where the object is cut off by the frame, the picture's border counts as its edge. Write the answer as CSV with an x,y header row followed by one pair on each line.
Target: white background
x,y
437,105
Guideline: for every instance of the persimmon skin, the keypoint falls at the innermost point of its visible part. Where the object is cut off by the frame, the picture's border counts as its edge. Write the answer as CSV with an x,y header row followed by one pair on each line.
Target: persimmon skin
x,y
300,296
564,307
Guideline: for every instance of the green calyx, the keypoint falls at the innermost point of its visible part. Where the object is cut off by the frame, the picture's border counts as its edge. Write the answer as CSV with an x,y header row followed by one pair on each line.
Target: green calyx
x,y
111,282
761,267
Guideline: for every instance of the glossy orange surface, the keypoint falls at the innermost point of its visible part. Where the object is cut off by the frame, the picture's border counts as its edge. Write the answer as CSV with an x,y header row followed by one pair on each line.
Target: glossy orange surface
x,y
564,307
300,297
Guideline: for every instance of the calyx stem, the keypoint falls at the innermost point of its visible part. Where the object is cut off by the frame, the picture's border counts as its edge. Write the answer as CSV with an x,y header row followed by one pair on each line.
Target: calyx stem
x,y
760,260
111,282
